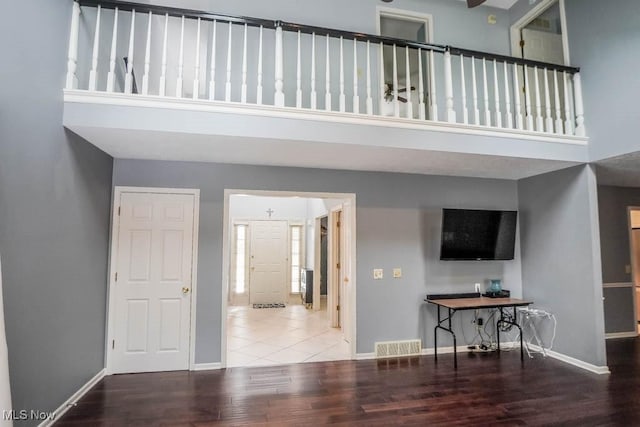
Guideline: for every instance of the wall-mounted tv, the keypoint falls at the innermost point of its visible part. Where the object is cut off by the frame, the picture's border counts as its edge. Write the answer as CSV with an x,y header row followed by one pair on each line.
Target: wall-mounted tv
x,y
478,235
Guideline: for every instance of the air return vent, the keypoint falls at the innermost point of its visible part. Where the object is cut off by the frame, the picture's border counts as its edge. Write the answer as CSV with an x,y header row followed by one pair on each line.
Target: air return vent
x,y
398,348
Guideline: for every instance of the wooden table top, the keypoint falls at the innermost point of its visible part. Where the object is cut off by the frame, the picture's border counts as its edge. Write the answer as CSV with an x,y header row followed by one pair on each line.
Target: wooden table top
x,y
481,302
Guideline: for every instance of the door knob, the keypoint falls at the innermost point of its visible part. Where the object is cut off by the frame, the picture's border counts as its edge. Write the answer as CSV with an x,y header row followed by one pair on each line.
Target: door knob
x,y
185,290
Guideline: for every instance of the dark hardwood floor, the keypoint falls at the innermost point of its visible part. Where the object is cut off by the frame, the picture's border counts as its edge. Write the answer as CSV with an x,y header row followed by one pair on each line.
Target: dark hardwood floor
x,y
486,390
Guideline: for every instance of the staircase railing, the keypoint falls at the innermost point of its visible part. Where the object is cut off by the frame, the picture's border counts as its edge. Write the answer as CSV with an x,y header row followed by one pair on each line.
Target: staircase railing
x,y
184,53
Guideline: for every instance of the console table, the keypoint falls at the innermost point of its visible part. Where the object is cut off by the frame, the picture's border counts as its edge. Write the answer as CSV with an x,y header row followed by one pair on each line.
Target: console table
x,y
459,304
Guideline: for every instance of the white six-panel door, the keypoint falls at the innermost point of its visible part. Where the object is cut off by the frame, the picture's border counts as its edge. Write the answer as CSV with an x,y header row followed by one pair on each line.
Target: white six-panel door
x,y
268,262
152,315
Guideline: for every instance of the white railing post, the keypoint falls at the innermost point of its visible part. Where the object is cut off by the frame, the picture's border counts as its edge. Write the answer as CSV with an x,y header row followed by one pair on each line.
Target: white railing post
x,y
485,85
579,106
72,57
227,84
196,68
243,88
463,92
527,99
279,68
298,76
327,76
407,83
496,94
507,97
147,59
474,87
396,101
448,87
548,121
516,98
128,78
212,66
342,99
356,98
556,89
568,121
163,68
180,62
369,98
383,85
313,97
422,115
259,85
93,74
111,76
433,99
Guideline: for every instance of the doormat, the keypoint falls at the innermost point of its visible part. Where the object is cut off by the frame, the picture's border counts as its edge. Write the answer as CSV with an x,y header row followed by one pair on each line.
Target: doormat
x,y
280,305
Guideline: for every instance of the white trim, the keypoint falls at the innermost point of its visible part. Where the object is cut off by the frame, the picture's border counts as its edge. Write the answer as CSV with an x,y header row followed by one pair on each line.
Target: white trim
x,y
226,242
407,15
71,401
618,285
636,313
115,226
152,101
533,14
206,366
615,335
600,370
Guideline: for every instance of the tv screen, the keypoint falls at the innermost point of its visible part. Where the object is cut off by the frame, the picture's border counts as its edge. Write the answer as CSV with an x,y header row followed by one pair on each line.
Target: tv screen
x,y
481,235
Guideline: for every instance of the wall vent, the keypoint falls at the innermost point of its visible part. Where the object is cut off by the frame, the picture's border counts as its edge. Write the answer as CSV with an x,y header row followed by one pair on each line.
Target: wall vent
x,y
398,348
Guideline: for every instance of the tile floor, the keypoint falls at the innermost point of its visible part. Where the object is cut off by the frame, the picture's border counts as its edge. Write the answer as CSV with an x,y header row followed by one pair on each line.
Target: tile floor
x,y
275,336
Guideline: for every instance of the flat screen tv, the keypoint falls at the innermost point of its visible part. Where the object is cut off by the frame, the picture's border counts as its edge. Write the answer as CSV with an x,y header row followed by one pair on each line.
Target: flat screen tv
x,y
478,235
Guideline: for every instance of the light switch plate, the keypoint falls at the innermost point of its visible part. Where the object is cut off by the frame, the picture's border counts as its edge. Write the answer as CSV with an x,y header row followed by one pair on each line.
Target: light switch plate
x,y
378,273
627,269
397,273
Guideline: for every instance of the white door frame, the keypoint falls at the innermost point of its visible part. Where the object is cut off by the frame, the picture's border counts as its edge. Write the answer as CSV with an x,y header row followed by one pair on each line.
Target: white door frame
x,y
516,50
407,15
633,268
115,227
335,244
226,265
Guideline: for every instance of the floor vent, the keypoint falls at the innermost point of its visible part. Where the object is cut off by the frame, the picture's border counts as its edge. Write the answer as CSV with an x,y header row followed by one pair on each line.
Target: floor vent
x,y
398,348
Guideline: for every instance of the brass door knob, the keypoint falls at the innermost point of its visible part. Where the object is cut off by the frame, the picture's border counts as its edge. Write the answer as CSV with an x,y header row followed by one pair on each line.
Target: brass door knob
x,y
185,290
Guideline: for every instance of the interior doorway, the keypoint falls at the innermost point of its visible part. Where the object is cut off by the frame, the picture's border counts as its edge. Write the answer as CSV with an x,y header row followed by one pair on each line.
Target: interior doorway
x,y
403,100
267,316
634,246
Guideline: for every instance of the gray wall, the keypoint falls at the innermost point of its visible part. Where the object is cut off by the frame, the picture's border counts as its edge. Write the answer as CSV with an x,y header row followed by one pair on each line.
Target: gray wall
x,y
614,238
560,249
55,192
604,48
398,225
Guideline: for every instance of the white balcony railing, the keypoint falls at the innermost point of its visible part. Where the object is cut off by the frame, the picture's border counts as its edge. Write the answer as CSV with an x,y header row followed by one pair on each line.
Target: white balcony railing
x,y
139,49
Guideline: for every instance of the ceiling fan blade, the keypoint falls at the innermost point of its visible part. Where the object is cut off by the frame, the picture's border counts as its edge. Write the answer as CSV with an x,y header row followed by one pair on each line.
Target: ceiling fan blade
x,y
474,3
402,99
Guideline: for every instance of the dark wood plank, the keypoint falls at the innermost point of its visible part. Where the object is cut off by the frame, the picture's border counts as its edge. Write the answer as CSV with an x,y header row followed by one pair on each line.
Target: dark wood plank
x,y
485,390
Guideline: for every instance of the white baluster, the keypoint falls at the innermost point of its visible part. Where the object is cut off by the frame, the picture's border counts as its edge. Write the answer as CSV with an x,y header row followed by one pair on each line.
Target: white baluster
x,y
298,77
180,61
396,102
507,97
527,99
356,98
463,92
93,74
448,87
407,83
487,113
516,98
547,100
343,101
577,93
72,57
568,121
421,109
279,71
556,91
433,103
196,70
383,86
128,79
474,78
243,88
163,68
227,85
539,120
496,94
327,75
259,86
212,66
314,95
369,98
111,76
147,58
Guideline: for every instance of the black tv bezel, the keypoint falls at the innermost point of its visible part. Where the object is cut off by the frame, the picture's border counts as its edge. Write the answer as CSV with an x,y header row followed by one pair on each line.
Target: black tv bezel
x,y
479,258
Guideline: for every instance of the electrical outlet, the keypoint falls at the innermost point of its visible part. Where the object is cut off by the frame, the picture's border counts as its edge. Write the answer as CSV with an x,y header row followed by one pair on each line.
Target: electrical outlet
x,y
480,321
627,269
378,273
477,287
397,273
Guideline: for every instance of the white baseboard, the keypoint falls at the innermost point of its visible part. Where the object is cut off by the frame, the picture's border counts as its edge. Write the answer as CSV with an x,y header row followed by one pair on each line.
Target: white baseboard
x,y
365,356
58,413
600,370
430,352
614,335
206,366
